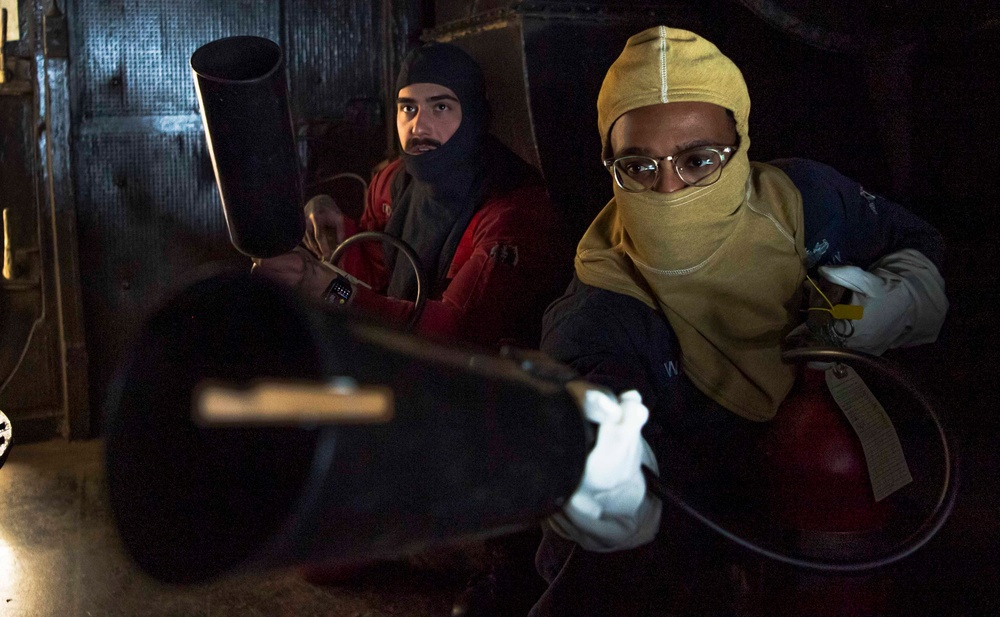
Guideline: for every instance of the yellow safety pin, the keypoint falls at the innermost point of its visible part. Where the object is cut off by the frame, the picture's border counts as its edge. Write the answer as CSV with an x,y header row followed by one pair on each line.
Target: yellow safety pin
x,y
839,311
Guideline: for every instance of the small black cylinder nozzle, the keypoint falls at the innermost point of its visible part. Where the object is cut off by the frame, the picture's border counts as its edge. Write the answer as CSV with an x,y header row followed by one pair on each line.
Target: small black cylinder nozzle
x,y
243,96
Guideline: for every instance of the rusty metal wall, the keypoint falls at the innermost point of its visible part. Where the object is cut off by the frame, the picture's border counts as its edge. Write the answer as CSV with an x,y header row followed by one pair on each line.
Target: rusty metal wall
x,y
148,211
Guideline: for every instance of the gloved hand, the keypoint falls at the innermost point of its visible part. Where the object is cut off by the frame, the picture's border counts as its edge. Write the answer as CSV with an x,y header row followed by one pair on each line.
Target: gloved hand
x,y
611,509
325,228
903,297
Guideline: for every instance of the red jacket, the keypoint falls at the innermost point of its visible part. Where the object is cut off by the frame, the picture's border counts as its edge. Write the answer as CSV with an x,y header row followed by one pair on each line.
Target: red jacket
x,y
510,263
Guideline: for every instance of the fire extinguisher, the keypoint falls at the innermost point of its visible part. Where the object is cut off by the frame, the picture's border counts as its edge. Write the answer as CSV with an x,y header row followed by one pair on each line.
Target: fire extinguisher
x,y
829,540
816,487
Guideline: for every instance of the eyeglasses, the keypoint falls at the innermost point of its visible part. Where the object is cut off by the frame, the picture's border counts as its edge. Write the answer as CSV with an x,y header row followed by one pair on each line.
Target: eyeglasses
x,y
699,166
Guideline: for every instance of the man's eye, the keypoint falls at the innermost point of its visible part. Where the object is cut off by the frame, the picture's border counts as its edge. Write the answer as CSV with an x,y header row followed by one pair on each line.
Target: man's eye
x,y
443,107
637,169
697,160
407,109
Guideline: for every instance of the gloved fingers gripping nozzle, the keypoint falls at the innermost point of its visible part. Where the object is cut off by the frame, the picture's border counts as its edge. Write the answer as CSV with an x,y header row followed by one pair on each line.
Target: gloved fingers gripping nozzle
x,y
612,508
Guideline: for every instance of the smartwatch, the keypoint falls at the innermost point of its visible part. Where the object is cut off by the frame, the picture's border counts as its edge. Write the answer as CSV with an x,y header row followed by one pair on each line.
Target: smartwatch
x,y
338,291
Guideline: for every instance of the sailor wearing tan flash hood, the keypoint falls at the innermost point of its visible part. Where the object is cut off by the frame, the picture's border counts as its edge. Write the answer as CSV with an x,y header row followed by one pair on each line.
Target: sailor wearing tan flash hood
x,y
689,280
723,262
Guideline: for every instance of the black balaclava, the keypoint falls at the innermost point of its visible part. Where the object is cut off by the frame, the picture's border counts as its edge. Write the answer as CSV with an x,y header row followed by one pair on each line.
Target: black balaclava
x,y
435,199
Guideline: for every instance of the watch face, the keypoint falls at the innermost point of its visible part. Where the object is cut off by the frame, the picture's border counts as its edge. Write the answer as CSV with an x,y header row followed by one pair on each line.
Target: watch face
x,y
339,291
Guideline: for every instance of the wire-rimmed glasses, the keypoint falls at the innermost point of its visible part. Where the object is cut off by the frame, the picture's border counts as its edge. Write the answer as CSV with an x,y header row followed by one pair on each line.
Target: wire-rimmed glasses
x,y
699,166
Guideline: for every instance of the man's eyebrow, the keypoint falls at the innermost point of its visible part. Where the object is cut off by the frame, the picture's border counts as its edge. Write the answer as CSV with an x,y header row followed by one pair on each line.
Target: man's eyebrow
x,y
694,143
632,151
405,100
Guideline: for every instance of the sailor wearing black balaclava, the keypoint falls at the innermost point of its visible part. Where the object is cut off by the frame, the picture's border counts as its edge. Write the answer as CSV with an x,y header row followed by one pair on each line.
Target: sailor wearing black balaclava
x,y
434,200
477,216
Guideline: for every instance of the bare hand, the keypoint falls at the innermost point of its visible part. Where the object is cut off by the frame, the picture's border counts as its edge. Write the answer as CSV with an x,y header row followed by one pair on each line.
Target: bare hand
x,y
324,226
297,269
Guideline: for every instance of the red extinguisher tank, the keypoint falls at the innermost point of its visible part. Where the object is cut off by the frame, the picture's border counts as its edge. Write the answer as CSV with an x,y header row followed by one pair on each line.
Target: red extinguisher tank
x,y
816,477
815,487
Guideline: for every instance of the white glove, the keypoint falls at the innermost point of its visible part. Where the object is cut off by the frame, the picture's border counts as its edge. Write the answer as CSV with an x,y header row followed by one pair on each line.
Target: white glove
x,y
904,300
611,509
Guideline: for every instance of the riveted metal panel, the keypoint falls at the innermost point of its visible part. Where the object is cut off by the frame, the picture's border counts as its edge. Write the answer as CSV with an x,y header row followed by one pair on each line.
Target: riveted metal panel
x,y
333,52
147,206
131,57
151,216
